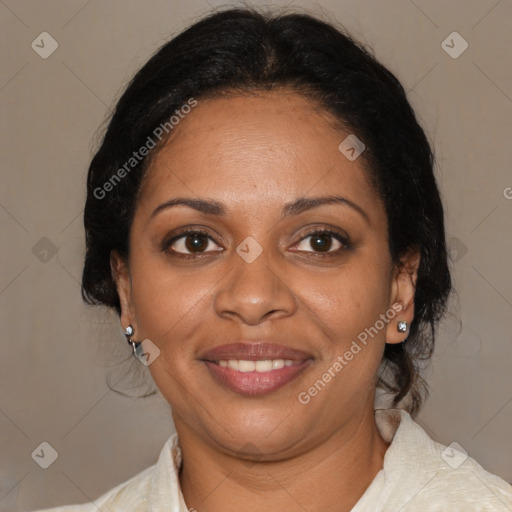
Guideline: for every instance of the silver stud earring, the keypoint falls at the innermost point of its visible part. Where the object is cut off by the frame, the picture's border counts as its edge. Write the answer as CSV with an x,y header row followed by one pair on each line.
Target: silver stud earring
x,y
128,332
402,326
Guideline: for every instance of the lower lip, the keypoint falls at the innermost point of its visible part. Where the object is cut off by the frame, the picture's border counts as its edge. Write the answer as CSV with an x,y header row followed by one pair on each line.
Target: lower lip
x,y
256,383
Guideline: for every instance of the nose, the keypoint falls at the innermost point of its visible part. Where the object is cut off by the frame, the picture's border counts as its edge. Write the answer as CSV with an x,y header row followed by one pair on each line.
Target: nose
x,y
254,292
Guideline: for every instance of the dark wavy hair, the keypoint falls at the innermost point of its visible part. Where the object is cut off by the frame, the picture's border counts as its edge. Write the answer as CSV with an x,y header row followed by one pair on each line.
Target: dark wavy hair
x,y
244,50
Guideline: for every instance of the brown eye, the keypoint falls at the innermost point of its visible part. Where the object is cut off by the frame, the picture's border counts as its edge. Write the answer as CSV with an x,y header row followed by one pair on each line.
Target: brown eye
x,y
192,242
323,241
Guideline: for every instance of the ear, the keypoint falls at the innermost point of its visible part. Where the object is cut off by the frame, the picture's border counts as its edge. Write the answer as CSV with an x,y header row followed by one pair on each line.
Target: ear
x,y
121,276
403,286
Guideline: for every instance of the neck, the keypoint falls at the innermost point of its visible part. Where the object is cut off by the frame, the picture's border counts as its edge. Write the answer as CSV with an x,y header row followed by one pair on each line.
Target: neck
x,y
330,476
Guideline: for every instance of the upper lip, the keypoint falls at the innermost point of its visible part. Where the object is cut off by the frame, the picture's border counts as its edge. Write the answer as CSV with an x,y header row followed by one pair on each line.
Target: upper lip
x,y
254,351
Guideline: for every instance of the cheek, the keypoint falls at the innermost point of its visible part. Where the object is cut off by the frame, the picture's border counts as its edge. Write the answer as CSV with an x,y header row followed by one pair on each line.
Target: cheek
x,y
349,301
164,300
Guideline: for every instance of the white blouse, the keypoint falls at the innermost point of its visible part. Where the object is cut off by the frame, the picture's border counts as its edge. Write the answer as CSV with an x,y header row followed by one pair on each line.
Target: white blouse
x,y
418,475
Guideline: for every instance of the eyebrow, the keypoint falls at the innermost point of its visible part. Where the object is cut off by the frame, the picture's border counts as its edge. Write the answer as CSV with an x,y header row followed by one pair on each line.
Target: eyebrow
x,y
299,205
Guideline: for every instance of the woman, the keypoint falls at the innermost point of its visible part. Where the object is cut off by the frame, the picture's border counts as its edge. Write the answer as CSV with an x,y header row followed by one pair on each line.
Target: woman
x,y
264,217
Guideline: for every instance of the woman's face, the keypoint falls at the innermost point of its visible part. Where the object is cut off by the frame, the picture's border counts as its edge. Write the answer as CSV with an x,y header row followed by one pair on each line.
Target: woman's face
x,y
258,277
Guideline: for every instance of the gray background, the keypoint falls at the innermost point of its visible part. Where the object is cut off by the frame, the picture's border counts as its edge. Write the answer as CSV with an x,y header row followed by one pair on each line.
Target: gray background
x,y
57,354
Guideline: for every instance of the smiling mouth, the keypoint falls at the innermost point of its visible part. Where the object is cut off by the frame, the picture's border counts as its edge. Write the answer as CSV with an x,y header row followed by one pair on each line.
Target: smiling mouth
x,y
256,377
255,368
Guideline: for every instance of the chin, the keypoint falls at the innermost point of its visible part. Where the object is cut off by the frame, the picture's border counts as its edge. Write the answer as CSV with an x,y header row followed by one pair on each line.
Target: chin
x,y
259,432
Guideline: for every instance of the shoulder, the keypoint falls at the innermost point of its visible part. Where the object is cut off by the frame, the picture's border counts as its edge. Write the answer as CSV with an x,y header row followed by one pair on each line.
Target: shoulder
x,y
157,487
467,487
426,475
134,494
131,495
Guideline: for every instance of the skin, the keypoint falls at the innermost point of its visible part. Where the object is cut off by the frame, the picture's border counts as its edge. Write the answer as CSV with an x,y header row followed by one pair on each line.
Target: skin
x,y
254,153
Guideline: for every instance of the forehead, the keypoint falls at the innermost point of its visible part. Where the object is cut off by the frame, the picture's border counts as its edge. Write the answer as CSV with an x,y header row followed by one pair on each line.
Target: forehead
x,y
270,147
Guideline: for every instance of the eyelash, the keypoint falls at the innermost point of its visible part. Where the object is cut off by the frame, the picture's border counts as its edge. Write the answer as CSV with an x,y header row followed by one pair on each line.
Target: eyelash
x,y
345,242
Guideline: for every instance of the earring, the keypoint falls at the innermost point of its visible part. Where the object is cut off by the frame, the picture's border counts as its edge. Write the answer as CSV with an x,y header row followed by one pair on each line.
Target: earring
x,y
402,326
128,333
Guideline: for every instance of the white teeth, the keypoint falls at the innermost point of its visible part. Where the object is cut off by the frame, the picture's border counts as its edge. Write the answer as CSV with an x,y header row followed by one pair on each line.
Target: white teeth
x,y
246,366
233,364
265,365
